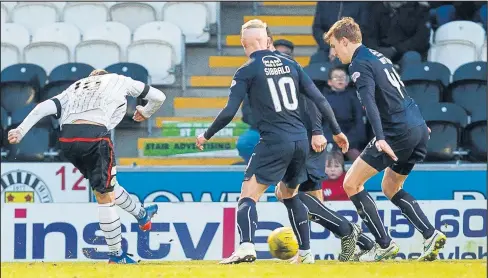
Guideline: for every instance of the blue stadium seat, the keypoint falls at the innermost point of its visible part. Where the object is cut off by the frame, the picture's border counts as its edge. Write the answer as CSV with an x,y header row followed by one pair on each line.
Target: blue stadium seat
x,y
20,85
318,72
136,72
32,147
425,82
468,89
132,70
4,117
19,115
445,121
474,139
63,76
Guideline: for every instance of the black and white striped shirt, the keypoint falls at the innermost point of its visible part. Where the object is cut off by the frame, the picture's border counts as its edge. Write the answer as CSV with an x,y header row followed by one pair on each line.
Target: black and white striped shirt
x,y
100,99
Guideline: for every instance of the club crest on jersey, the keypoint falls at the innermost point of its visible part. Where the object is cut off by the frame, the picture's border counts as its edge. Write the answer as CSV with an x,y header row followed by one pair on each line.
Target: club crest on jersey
x,y
355,76
21,186
272,61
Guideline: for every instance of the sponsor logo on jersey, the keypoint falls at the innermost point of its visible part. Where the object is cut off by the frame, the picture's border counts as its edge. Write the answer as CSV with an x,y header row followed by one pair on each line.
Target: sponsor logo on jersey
x,y
272,61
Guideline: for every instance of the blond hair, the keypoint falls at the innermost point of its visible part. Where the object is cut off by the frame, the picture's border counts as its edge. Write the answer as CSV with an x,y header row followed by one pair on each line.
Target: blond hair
x,y
254,24
98,72
344,28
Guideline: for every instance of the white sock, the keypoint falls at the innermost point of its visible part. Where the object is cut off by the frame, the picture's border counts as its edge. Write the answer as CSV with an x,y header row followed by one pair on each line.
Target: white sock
x,y
127,203
110,225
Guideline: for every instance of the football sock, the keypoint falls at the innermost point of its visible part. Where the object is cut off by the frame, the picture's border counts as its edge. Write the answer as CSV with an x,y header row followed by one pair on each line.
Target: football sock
x,y
127,203
364,242
327,218
247,219
412,211
367,210
110,225
298,215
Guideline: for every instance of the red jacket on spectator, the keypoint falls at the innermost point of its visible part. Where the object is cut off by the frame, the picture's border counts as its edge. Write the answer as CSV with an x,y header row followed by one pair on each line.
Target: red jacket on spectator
x,y
333,190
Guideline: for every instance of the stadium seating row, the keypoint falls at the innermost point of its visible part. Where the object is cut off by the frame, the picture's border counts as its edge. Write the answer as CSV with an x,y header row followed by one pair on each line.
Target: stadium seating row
x,y
193,18
158,46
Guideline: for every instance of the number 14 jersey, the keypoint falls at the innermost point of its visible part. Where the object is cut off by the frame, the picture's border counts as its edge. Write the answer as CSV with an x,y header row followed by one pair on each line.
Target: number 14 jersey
x,y
390,110
273,82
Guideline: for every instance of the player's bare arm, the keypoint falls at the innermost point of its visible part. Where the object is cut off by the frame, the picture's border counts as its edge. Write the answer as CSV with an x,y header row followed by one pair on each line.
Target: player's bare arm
x,y
362,75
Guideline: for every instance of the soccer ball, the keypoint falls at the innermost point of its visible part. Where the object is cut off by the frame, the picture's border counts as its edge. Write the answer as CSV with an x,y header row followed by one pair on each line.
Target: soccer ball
x,y
282,243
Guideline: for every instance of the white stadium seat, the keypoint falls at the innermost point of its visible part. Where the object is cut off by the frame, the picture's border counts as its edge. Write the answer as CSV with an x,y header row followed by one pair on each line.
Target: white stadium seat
x,y
47,55
158,7
11,55
98,53
4,17
110,31
59,32
133,14
461,31
85,15
60,6
213,7
448,53
192,18
15,34
9,5
163,31
155,47
483,53
34,15
52,45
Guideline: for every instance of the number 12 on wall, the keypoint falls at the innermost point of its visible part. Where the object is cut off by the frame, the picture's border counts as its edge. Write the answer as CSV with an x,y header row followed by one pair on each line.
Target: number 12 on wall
x,y
77,184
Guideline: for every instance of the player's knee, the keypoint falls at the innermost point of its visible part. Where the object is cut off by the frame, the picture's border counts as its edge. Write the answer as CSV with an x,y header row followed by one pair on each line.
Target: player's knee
x,y
105,197
350,185
286,192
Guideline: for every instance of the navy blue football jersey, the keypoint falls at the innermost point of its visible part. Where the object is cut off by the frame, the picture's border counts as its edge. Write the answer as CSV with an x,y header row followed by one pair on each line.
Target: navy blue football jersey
x,y
389,108
273,83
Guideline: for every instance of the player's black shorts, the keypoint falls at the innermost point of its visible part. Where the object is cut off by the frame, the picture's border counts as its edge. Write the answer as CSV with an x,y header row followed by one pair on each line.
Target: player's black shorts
x,y
315,166
410,148
272,163
89,148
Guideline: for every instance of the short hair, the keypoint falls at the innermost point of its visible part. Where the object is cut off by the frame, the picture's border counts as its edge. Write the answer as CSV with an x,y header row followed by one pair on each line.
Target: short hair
x,y
335,156
329,74
344,28
268,32
254,24
98,72
286,43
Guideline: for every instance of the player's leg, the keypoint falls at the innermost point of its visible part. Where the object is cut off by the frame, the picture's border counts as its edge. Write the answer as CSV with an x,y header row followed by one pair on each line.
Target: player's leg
x,y
363,168
392,186
297,211
262,170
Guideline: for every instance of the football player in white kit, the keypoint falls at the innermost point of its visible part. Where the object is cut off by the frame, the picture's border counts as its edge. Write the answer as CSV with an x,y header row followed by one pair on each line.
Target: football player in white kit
x,y
88,110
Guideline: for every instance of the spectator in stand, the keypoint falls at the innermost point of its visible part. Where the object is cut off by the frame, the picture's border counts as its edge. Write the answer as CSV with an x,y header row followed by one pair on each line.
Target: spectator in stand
x,y
248,140
396,28
347,109
326,14
336,172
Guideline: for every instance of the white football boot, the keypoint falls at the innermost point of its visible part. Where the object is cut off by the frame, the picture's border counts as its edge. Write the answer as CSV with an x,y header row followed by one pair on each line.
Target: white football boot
x,y
377,253
303,257
245,253
432,246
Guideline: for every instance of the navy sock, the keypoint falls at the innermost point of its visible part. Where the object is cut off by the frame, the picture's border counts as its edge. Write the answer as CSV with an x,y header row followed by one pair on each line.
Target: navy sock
x,y
327,218
367,210
364,242
412,211
247,219
298,215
